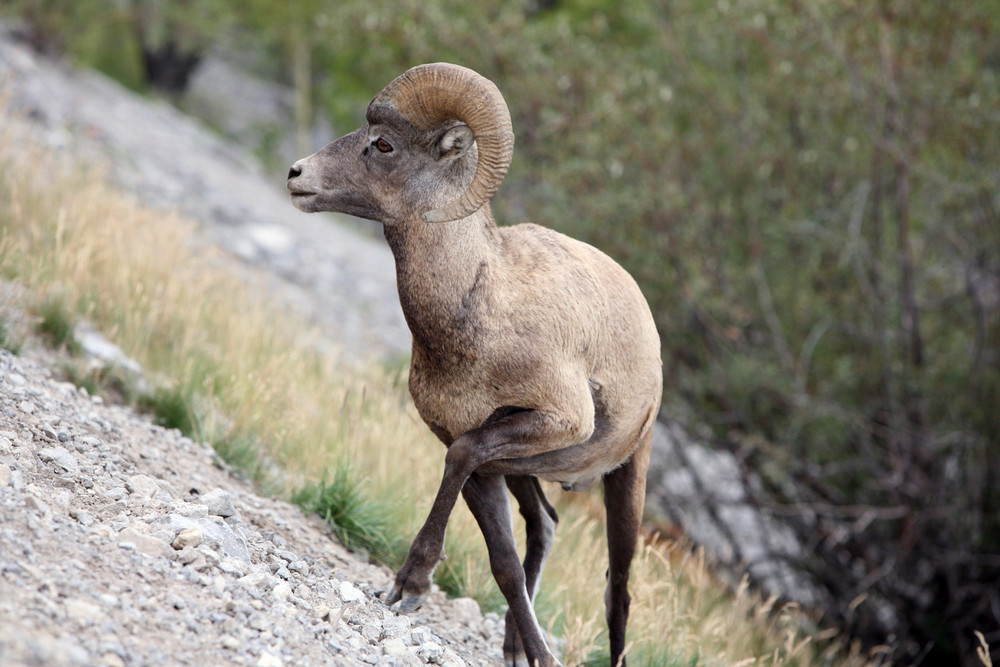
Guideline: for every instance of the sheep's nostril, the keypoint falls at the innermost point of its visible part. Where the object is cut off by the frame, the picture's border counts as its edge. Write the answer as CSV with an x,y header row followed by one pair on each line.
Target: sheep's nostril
x,y
294,172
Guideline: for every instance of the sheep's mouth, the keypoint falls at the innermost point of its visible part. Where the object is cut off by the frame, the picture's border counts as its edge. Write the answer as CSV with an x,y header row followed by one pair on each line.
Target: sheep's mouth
x,y
301,197
304,200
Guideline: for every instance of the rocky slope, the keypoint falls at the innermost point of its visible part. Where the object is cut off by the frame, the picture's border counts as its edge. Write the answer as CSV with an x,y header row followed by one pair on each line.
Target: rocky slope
x,y
122,543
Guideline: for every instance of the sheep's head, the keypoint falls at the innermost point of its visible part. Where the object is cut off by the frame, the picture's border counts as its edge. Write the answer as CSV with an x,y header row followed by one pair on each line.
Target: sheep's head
x,y
437,145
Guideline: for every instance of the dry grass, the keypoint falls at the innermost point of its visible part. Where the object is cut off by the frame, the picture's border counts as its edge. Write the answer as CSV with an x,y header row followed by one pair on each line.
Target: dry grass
x,y
146,281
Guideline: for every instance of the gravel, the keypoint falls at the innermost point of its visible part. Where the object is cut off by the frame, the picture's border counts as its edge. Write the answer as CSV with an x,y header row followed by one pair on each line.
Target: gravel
x,y
122,543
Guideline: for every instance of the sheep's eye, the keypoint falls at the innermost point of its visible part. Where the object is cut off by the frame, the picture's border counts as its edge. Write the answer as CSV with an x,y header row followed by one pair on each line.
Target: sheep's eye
x,y
383,145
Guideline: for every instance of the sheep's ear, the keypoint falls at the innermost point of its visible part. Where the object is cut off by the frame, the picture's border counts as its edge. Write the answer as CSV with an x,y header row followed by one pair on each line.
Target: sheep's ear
x,y
453,143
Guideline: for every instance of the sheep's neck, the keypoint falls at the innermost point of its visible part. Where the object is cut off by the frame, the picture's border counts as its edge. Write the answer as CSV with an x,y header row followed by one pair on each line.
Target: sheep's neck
x,y
438,269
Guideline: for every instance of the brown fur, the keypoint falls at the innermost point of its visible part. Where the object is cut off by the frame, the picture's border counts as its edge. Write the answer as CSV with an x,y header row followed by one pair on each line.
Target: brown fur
x,y
534,356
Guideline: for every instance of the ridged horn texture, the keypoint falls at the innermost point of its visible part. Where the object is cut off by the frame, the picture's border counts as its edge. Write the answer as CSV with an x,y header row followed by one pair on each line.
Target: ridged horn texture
x,y
428,95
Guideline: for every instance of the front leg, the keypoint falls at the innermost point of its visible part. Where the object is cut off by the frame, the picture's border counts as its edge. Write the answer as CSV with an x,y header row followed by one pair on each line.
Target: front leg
x,y
514,436
413,581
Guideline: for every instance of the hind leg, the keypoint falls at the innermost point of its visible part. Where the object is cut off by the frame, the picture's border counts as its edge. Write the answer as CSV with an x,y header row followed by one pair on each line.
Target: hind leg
x,y
487,499
624,498
540,521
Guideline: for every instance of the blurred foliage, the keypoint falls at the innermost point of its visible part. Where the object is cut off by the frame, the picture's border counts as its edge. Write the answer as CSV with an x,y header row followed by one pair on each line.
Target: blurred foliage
x,y
56,322
807,193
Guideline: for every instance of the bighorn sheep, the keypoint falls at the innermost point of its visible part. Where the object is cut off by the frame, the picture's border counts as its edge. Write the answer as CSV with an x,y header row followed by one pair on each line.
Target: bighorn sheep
x,y
534,355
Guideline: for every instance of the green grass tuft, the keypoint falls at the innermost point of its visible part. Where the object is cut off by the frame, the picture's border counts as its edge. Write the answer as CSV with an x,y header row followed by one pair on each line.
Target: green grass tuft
x,y
174,408
245,454
8,339
359,522
114,383
56,324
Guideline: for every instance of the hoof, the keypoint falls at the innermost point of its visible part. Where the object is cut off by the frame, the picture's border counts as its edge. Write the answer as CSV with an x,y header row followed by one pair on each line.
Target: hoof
x,y
403,603
520,660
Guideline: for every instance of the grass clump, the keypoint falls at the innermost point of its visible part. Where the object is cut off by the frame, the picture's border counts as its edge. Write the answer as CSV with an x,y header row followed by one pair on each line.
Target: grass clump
x,y
359,522
243,453
56,324
111,381
173,408
9,340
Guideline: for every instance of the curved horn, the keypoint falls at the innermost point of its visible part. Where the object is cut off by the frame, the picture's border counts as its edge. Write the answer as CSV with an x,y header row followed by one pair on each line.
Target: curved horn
x,y
428,95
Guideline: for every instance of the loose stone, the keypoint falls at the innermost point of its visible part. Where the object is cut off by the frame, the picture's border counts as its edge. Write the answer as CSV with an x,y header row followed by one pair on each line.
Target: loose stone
x,y
84,517
350,593
396,627
218,503
189,537
145,544
142,486
299,566
60,457
281,591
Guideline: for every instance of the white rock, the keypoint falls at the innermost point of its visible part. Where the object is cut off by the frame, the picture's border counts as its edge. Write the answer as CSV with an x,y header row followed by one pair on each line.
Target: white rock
x,y
281,591
422,635
396,627
397,650
350,593
173,523
146,544
143,486
37,504
219,503
63,499
189,537
112,659
95,344
286,555
258,580
231,544
372,631
83,516
189,510
430,652
449,659
60,457
233,566
299,566
268,659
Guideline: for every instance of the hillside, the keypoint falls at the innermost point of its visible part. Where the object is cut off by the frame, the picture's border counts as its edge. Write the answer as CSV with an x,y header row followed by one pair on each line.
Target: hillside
x,y
341,282
124,543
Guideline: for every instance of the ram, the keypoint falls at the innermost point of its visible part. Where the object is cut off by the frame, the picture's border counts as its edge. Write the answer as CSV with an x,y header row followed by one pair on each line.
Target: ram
x,y
535,356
